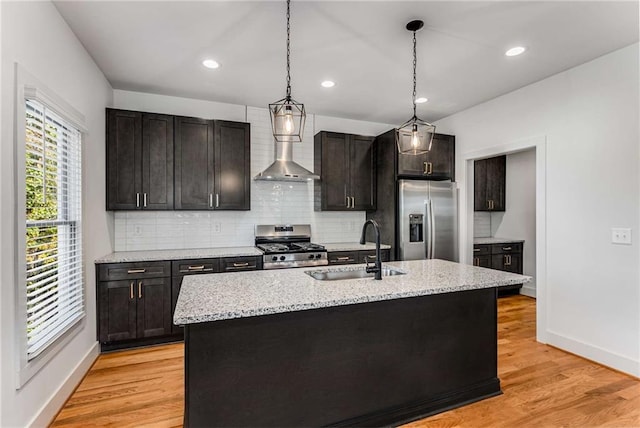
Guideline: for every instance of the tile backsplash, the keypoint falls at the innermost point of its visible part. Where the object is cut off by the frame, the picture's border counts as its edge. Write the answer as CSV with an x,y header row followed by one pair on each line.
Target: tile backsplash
x,y
271,203
482,224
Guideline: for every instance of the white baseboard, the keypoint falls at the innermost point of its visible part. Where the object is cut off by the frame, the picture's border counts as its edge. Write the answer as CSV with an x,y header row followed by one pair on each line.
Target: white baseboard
x,y
50,409
528,291
594,353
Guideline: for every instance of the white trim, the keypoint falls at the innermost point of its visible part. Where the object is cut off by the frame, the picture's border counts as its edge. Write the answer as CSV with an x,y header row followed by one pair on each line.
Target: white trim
x,y
466,227
528,291
50,409
594,353
27,85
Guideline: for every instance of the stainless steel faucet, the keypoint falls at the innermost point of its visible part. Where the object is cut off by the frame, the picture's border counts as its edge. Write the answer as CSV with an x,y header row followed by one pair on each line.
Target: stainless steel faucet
x,y
378,263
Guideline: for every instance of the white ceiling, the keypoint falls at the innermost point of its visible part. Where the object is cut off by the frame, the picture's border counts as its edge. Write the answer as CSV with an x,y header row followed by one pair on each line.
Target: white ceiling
x,y
158,46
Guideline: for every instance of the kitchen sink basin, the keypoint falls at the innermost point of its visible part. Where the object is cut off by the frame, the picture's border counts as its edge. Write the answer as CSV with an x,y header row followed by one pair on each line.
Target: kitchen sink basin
x,y
350,273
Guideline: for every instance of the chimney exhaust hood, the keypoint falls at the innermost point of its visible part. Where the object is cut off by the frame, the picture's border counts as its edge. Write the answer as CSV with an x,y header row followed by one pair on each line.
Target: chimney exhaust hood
x,y
284,168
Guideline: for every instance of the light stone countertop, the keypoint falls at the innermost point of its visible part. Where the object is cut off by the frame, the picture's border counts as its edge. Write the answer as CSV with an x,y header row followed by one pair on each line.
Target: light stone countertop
x,y
194,253
481,241
222,296
353,246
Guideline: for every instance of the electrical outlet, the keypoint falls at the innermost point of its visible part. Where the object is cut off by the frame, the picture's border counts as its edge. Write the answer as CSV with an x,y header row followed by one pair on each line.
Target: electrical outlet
x,y
621,236
217,228
137,230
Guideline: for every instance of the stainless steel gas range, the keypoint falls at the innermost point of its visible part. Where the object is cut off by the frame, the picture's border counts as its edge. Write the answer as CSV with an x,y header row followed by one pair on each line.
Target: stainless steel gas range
x,y
288,246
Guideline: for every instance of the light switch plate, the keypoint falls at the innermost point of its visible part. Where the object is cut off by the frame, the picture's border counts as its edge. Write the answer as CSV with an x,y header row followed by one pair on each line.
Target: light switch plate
x,y
217,227
621,236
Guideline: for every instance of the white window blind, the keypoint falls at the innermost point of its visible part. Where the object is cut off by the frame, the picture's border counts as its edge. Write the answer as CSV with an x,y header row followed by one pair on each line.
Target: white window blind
x,y
54,279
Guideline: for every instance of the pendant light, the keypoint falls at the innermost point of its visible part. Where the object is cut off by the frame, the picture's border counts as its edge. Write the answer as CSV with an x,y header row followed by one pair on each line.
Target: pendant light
x,y
287,115
414,137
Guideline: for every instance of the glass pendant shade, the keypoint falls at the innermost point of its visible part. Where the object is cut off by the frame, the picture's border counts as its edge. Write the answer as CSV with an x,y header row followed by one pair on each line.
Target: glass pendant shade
x,y
287,120
414,137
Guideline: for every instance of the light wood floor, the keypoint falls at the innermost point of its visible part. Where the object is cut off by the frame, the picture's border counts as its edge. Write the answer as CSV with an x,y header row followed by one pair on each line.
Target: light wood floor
x,y
543,386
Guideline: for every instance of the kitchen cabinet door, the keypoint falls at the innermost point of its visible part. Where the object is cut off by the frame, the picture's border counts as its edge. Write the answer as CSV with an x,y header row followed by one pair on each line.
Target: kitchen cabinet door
x,y
482,261
194,164
496,182
157,161
441,158
117,310
332,163
153,307
232,166
124,157
362,172
437,164
507,262
490,184
343,257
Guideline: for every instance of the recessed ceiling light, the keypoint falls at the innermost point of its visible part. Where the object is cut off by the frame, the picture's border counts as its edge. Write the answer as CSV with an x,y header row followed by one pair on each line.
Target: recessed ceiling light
x,y
328,84
421,100
515,51
209,63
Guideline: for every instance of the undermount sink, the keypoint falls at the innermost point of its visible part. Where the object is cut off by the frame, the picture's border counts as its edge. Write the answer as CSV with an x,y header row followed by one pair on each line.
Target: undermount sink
x,y
350,273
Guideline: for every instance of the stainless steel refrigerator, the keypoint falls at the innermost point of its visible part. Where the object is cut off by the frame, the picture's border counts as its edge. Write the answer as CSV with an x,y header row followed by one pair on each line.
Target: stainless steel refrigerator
x,y
427,220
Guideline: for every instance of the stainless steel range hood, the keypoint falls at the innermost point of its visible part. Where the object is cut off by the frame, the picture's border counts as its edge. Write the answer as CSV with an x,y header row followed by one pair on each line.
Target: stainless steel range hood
x,y
284,168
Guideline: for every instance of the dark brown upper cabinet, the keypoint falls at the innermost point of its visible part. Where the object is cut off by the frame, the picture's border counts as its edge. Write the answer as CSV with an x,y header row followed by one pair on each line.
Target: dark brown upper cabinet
x,y
489,184
212,161
347,167
139,160
437,164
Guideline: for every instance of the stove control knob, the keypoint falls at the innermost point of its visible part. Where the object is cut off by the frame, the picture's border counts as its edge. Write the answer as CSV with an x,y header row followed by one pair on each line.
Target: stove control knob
x,y
311,256
282,257
274,258
318,256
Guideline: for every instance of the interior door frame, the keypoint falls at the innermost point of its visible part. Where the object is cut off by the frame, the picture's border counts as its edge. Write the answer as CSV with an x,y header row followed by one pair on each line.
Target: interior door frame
x,y
539,143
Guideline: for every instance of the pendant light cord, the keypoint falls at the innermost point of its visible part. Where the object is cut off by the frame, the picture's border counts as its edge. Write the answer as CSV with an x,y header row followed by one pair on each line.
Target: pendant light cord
x,y
289,50
414,75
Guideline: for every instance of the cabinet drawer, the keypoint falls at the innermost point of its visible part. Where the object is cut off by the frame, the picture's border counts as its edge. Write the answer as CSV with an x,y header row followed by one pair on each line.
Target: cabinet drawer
x,y
370,256
481,250
137,270
234,264
506,248
195,266
343,257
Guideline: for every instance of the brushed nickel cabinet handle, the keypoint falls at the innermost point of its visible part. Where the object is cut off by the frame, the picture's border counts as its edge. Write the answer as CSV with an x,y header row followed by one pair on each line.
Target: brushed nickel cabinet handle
x,y
476,249
144,200
488,204
506,248
201,267
353,202
343,258
240,264
348,202
131,290
130,271
430,170
217,200
140,290
137,200
210,200
426,168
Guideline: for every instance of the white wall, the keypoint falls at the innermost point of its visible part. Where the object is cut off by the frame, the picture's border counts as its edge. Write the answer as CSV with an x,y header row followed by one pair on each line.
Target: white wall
x,y
271,202
518,221
589,115
34,35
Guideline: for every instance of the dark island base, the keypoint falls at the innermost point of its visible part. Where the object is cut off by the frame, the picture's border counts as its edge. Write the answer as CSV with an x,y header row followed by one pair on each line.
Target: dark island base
x,y
368,364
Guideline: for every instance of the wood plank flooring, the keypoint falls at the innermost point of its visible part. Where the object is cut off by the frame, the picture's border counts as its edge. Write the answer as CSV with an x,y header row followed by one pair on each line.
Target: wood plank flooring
x,y
543,387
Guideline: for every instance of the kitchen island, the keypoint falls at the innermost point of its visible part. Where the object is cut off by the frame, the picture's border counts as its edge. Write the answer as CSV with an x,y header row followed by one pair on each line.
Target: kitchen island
x,y
280,348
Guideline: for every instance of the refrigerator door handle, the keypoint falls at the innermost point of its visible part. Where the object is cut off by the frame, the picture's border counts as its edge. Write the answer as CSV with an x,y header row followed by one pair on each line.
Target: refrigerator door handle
x,y
429,236
432,227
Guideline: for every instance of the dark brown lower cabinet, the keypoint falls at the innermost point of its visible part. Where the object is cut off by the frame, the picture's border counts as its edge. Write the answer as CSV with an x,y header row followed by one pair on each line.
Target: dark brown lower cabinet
x,y
133,309
506,257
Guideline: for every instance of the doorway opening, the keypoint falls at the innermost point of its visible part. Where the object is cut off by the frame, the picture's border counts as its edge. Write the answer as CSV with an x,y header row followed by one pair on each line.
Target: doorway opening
x,y
521,218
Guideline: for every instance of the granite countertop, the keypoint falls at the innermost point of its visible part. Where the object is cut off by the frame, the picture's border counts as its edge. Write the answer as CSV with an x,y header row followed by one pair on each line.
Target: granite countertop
x,y
353,246
481,241
195,253
223,296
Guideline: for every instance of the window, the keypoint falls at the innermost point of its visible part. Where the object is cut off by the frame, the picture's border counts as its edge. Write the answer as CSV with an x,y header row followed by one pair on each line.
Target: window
x,y
53,241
